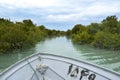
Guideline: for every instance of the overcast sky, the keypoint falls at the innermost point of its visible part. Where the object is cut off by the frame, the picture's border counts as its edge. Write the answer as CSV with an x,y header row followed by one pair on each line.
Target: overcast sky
x,y
59,14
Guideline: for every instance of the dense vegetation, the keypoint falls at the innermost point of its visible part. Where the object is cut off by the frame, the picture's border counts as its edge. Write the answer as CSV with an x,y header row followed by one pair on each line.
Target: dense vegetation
x,y
17,35
22,34
103,35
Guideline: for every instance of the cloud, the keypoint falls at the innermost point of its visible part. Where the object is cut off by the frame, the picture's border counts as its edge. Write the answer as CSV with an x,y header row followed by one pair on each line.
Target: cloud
x,y
30,3
82,12
55,12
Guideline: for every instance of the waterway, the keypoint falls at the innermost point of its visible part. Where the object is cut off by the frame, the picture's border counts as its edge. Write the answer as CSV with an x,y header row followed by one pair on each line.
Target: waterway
x,y
64,47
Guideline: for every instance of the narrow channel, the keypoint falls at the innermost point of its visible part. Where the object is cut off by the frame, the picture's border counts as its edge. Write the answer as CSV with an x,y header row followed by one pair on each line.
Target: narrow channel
x,y
64,47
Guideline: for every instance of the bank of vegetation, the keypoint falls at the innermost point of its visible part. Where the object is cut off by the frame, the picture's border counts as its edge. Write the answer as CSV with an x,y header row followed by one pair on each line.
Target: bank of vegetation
x,y
105,34
18,35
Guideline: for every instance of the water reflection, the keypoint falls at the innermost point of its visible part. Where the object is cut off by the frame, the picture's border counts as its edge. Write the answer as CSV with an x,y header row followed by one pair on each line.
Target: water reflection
x,y
63,46
10,58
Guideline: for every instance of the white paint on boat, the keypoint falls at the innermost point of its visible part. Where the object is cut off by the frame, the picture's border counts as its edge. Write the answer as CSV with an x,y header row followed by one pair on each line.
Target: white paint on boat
x,y
57,69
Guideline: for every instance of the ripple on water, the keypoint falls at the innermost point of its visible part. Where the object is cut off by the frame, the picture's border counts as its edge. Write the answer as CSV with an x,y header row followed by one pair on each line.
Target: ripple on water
x,y
64,47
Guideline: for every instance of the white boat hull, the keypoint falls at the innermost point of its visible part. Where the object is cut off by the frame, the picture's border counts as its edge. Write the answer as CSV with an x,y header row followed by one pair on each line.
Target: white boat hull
x,y
53,67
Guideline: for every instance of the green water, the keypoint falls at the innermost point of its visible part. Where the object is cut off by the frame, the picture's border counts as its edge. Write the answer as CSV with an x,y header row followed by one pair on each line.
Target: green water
x,y
63,46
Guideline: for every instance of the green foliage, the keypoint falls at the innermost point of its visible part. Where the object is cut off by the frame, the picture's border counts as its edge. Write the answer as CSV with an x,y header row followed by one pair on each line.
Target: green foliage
x,y
22,34
110,24
54,33
103,35
82,38
4,46
107,40
28,23
68,33
80,34
93,28
78,29
13,36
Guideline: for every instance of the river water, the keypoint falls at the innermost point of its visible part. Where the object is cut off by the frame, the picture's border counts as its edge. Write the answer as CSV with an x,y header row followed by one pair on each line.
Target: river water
x,y
62,46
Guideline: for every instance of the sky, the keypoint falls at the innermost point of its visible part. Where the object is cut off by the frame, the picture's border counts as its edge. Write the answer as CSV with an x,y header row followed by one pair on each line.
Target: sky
x,y
59,14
